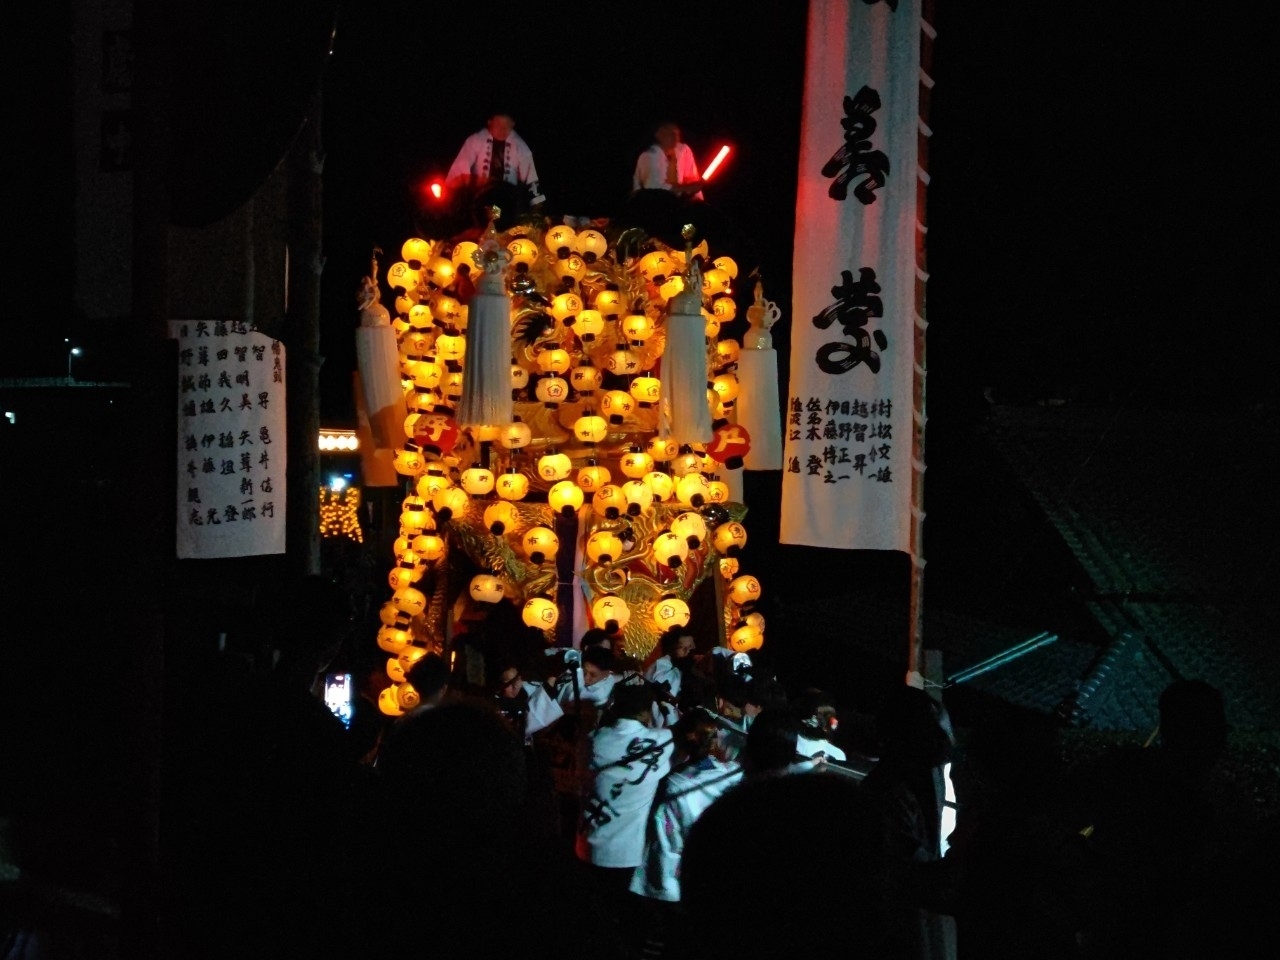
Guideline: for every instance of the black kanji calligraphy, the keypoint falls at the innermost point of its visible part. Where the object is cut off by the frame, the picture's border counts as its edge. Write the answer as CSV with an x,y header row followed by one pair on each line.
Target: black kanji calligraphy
x,y
855,304
855,158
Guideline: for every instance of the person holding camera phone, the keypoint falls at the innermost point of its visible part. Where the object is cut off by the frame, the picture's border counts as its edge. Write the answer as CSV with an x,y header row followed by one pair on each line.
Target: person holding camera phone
x,y
528,706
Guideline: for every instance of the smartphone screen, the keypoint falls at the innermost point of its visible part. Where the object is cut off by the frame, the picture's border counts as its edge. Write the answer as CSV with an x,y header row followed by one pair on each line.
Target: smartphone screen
x,y
338,695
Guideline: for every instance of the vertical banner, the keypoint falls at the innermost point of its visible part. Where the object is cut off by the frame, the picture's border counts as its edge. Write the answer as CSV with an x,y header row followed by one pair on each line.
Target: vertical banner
x,y
231,440
847,461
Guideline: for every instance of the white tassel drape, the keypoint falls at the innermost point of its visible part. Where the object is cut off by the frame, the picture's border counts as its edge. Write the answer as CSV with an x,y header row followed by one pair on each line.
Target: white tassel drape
x,y
684,367
486,377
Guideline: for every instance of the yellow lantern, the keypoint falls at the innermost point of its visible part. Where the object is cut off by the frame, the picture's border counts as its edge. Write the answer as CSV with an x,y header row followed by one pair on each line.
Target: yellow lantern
x,y
712,328
623,362
453,387
390,615
420,321
670,549
589,325
552,390
586,378
728,567
422,401
486,588
404,575
439,272
565,497
395,671
415,248
410,600
476,480
555,360
592,477
724,309
755,619
408,462
389,703
637,326
524,253
515,435
729,538
519,377
656,266
691,490
590,429
692,527
428,546
646,389
513,485
745,638
609,502
485,433
662,449
610,303
671,288
670,612
635,463
726,386
728,265
406,696
413,514
603,547
554,466
426,375
450,348
685,463
393,639
565,307
571,267
661,484
717,492
401,276
461,256
744,589
560,239
540,544
611,613
591,244
617,406
449,502
540,612
727,352
500,516
433,481
639,497
714,282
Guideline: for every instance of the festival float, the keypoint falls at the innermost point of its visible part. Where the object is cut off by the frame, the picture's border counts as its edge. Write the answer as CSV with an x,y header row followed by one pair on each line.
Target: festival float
x,y
565,413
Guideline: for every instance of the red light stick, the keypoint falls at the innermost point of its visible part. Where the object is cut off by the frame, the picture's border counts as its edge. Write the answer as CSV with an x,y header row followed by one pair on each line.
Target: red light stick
x,y
714,165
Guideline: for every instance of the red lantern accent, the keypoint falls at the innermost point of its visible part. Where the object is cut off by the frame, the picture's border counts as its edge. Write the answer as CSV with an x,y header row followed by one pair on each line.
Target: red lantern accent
x,y
729,444
436,433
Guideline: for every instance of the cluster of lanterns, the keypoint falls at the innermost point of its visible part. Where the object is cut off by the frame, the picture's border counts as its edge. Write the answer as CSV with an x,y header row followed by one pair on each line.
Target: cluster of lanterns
x,y
599,335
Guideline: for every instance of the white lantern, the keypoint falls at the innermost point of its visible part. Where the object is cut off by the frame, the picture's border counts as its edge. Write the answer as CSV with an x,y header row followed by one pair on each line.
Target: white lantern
x,y
551,390
476,480
670,549
515,435
592,477
541,613
486,588
670,612
410,600
603,547
729,538
635,463
540,544
500,517
554,466
692,491
692,527
744,589
639,497
611,613
661,484
513,485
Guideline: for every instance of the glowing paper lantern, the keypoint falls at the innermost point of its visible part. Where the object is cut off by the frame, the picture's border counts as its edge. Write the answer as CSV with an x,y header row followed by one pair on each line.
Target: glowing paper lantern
x,y
591,244
661,484
589,325
670,612
691,490
524,252
552,390
635,463
617,406
611,613
486,588
637,326
410,600
729,538
603,547
519,377
513,485
432,481
560,240
415,248
590,429
499,517
609,502
744,589
477,481
745,638
554,360
554,466
540,612
413,514
565,307
565,497
717,492
610,303
646,389
540,544
394,639
586,378
389,703
408,462
515,435
449,502
662,449
592,477
670,549
429,546
639,497
692,527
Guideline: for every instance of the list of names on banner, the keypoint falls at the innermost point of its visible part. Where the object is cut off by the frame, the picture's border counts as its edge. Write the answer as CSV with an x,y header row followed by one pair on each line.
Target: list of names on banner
x,y
231,440
838,440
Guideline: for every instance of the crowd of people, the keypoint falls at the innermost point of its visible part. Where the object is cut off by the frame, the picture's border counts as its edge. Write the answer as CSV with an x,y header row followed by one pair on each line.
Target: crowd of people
x,y
586,803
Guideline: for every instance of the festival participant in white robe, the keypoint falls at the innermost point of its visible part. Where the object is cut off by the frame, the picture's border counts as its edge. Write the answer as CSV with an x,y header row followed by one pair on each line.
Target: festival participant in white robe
x,y
595,680
731,699
629,758
496,154
528,705
689,789
668,671
668,165
818,722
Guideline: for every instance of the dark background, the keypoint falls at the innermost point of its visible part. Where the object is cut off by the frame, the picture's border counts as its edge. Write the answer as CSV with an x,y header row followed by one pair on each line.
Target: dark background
x,y
1097,233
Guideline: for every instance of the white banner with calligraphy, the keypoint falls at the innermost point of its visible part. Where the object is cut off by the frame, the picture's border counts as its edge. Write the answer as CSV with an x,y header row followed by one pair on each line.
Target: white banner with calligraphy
x,y
231,440
847,458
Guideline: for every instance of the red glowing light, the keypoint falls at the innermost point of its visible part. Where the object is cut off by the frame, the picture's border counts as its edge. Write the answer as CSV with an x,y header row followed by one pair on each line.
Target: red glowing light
x,y
714,165
437,189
